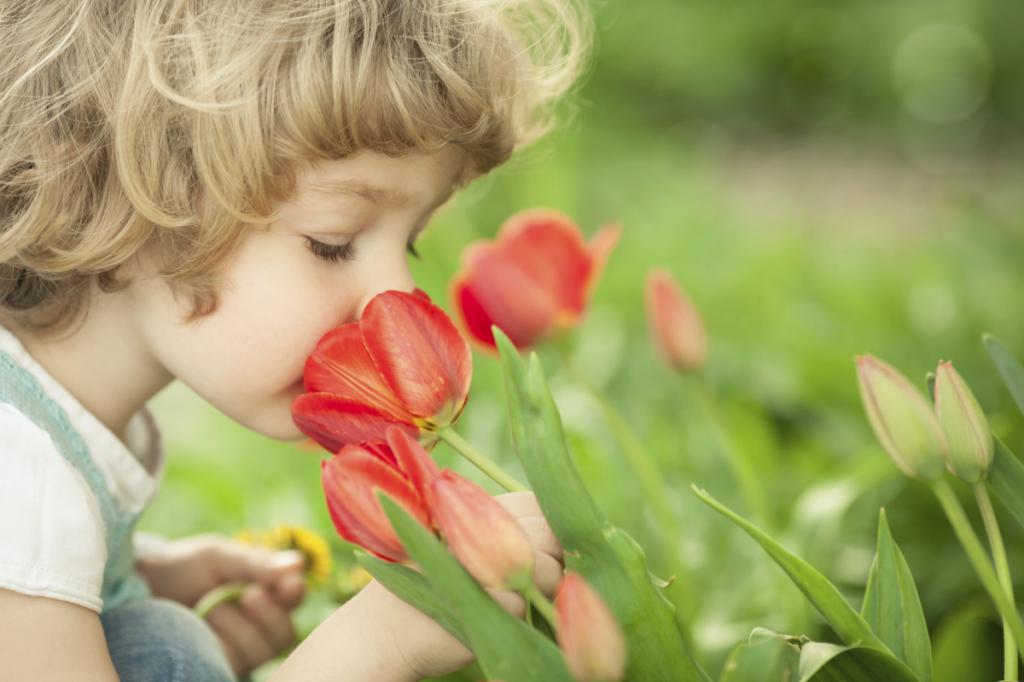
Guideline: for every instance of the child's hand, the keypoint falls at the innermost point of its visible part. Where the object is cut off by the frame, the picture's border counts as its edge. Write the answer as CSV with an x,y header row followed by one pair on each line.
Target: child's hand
x,y
427,649
258,626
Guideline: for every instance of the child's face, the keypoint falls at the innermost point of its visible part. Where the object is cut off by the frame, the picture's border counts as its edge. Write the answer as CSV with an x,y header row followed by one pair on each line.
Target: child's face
x,y
277,298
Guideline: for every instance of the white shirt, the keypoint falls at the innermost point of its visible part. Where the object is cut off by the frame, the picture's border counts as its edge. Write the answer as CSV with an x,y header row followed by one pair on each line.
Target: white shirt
x,y
52,535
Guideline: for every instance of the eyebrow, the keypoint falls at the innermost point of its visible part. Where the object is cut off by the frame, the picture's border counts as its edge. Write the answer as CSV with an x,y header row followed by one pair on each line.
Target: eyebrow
x,y
363,190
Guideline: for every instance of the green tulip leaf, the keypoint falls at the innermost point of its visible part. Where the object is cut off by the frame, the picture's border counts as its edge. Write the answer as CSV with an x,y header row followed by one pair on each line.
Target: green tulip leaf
x,y
822,662
506,647
825,597
607,557
1006,479
540,444
892,607
1009,367
412,588
764,656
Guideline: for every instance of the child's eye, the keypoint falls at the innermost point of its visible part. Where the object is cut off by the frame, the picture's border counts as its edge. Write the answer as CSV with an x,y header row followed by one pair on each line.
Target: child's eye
x,y
410,248
331,252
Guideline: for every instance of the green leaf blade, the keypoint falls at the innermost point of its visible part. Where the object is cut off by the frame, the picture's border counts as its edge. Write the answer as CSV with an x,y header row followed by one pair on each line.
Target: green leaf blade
x,y
613,564
825,597
1006,480
506,647
413,588
1008,366
764,656
822,662
540,445
892,606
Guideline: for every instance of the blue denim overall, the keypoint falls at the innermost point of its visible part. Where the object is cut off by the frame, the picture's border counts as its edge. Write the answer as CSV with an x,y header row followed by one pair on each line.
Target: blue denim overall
x,y
149,639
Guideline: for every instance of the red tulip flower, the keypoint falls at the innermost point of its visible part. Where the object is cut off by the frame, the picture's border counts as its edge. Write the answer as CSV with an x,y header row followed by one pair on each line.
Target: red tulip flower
x,y
401,468
676,328
485,538
590,636
402,363
533,281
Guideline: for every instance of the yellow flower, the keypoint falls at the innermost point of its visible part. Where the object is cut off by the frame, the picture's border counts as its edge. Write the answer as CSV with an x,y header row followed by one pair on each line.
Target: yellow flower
x,y
313,548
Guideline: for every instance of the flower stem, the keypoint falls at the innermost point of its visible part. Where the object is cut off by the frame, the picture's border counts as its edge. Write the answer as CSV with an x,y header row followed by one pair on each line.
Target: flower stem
x,y
480,460
995,540
976,554
742,468
536,597
217,596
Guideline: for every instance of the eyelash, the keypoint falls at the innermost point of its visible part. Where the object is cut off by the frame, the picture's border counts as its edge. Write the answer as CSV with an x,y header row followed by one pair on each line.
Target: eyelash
x,y
333,253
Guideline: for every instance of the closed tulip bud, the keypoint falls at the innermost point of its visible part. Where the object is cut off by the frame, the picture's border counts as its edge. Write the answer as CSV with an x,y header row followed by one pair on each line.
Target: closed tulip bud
x,y
902,419
967,432
482,535
590,636
676,328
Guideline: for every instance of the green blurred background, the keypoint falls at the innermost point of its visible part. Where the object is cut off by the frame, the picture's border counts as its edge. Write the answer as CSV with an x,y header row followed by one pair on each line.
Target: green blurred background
x,y
824,179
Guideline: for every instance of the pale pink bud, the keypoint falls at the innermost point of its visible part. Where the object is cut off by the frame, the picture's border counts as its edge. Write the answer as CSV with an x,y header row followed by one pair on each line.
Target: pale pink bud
x,y
590,636
967,431
482,535
902,419
676,328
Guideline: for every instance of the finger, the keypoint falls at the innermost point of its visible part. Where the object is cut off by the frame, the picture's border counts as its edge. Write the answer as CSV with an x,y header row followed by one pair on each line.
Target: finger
x,y
520,503
236,560
269,616
241,637
289,589
510,601
547,572
540,535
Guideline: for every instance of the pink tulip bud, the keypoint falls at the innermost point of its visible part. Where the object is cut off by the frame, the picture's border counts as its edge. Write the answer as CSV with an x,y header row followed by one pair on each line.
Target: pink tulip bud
x,y
676,328
485,538
588,632
902,419
967,431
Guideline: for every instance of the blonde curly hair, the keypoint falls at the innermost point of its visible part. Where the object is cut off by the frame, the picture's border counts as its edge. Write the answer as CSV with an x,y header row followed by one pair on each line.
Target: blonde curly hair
x,y
123,122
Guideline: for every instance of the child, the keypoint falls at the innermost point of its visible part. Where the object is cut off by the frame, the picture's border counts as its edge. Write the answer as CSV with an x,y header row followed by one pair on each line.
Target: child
x,y
199,190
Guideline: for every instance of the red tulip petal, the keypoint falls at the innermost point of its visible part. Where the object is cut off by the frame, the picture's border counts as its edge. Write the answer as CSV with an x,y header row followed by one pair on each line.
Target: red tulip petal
x,y
484,536
334,421
535,278
588,632
350,480
419,352
472,314
341,365
676,328
551,249
382,452
414,462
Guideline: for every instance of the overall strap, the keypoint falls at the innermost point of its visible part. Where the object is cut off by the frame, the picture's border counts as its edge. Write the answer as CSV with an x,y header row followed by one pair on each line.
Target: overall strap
x,y
19,388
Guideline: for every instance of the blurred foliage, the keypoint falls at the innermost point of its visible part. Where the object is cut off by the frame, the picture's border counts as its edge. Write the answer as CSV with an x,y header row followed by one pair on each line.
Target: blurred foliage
x,y
824,180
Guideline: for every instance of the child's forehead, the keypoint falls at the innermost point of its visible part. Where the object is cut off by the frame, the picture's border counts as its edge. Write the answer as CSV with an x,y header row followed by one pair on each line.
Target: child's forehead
x,y
394,181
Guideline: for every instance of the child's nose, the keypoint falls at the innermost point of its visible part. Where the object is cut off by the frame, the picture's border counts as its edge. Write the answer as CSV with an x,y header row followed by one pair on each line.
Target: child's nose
x,y
401,280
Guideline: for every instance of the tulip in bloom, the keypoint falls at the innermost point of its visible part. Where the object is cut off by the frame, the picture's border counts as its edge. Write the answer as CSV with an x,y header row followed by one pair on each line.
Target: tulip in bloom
x,y
590,636
483,536
676,328
902,420
533,281
967,431
402,363
350,479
